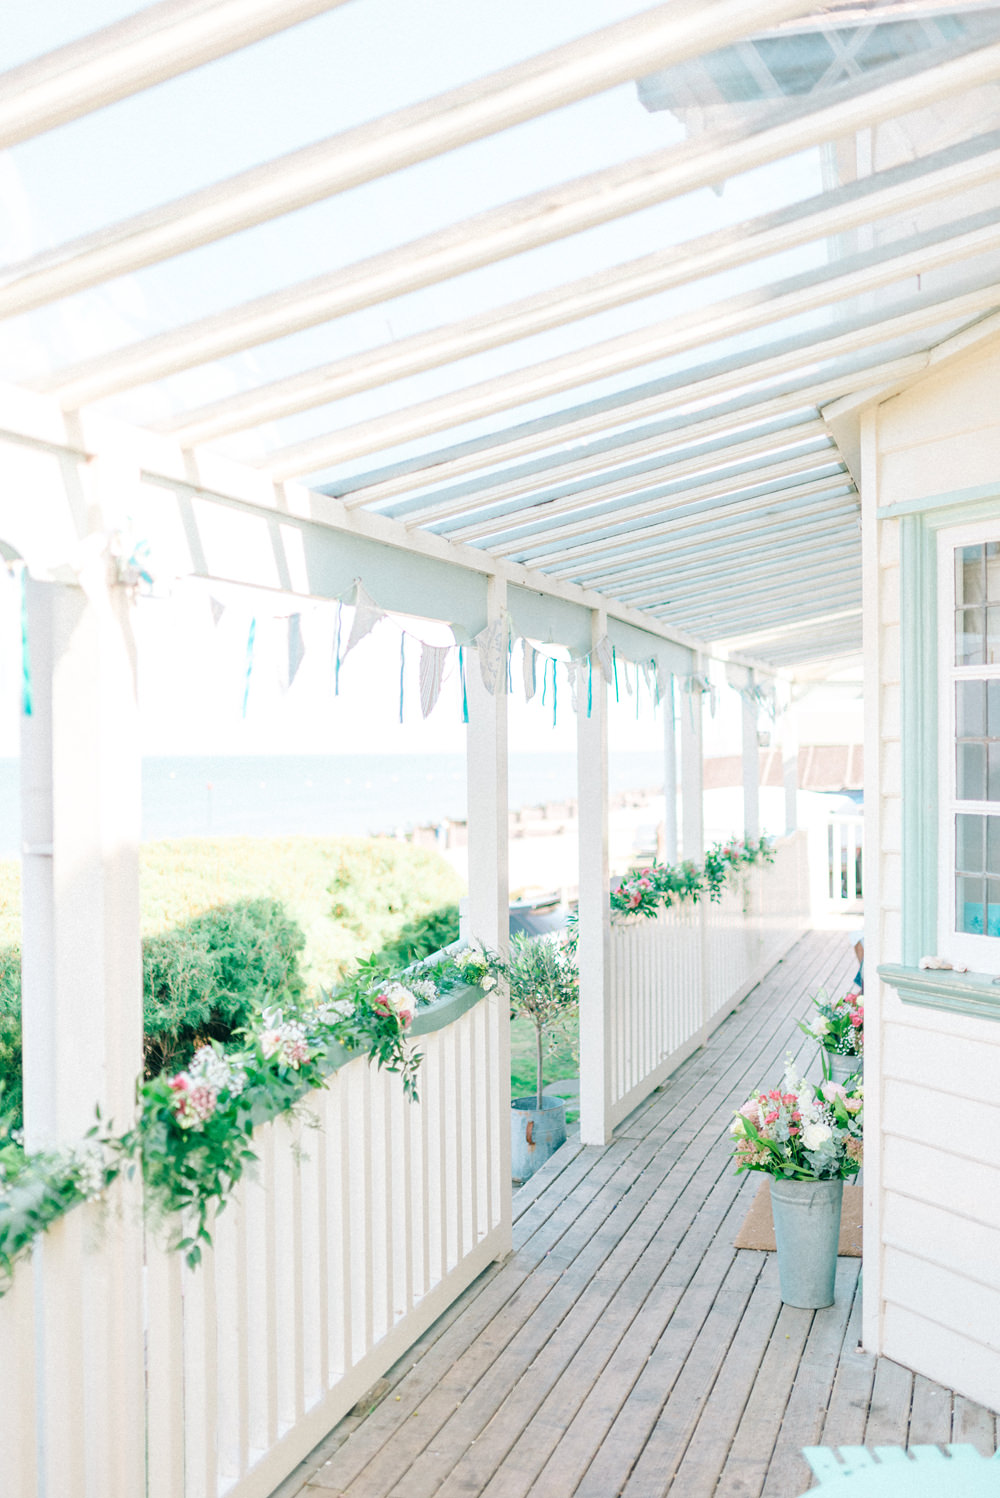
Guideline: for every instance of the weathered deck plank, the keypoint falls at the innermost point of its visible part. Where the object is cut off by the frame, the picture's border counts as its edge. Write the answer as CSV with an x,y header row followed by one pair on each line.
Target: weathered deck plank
x,y
625,1347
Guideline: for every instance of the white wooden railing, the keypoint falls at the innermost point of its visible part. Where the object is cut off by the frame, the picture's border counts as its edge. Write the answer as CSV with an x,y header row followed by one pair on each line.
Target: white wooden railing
x,y
675,977
350,1240
845,841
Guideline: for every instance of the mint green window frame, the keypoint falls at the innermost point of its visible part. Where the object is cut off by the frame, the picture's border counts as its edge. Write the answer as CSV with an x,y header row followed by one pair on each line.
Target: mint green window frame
x,y
920,522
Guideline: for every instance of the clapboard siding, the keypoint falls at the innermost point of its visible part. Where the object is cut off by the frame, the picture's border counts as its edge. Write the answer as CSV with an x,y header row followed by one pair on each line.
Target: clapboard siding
x,y
934,1166
966,1066
961,1186
942,1296
968,1247
965,1127
964,1362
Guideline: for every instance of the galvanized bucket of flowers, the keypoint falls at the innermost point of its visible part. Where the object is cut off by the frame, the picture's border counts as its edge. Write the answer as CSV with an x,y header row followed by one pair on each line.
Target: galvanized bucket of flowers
x,y
839,1028
808,1139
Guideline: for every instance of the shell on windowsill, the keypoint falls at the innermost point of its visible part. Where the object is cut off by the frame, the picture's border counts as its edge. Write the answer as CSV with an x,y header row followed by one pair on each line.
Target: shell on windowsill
x,y
941,964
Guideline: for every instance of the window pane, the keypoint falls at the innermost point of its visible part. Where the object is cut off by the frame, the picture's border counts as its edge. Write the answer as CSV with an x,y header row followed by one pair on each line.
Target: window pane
x,y
993,635
969,838
971,777
969,903
993,715
993,907
993,772
970,708
993,845
993,572
970,628
970,562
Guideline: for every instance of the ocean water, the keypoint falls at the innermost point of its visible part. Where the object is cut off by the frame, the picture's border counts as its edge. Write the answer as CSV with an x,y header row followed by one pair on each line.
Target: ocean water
x,y
270,795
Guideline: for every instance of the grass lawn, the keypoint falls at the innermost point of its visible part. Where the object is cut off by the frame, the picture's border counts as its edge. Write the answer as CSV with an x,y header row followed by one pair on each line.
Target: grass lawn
x,y
561,1062
349,895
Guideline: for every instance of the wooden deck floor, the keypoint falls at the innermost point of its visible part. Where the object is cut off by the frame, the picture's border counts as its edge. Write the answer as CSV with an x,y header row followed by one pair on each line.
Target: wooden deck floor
x,y
626,1348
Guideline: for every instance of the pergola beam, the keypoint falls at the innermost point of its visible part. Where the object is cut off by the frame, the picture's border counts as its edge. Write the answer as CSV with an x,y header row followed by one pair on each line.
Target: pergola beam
x,y
776,520
158,43
907,189
661,37
699,463
647,345
738,501
616,519
836,541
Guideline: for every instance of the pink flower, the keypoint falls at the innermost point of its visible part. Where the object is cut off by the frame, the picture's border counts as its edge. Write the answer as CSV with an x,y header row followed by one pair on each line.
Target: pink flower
x,y
635,899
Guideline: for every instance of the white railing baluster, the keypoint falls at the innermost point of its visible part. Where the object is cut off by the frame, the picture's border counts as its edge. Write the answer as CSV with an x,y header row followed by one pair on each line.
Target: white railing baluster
x,y
675,976
336,1252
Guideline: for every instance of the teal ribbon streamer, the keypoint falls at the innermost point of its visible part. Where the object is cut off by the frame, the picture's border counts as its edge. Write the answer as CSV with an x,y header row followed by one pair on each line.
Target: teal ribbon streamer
x,y
614,667
465,689
510,657
656,680
249,671
336,651
555,694
402,670
545,679
590,685
27,706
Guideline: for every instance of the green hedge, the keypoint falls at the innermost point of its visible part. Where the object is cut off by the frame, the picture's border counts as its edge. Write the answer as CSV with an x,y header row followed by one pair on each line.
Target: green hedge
x,y
203,981
422,937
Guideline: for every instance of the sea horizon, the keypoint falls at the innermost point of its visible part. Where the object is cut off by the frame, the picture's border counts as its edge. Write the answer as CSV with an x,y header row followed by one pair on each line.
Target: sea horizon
x,y
269,795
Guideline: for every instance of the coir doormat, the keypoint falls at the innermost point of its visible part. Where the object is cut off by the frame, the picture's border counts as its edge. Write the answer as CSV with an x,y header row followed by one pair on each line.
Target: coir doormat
x,y
758,1229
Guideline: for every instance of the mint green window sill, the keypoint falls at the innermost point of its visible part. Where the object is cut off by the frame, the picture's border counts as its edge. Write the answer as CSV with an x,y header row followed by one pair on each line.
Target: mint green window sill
x,y
961,993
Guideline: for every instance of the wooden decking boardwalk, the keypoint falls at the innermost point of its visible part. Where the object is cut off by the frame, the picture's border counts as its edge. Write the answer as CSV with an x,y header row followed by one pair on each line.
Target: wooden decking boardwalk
x,y
626,1348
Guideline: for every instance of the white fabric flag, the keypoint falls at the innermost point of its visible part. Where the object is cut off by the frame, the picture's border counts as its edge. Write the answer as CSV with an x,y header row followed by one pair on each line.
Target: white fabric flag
x,y
602,650
433,659
366,615
529,666
491,643
296,646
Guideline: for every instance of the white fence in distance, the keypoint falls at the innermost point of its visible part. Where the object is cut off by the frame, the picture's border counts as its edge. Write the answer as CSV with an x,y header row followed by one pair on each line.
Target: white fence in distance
x,y
845,842
675,976
332,1258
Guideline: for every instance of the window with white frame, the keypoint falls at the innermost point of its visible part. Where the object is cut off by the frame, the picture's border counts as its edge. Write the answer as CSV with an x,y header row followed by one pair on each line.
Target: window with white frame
x,y
969,754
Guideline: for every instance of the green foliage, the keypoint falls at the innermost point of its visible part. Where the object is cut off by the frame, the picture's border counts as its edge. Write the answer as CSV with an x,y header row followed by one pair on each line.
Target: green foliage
x,y
649,890
543,986
207,979
378,886
10,1035
422,937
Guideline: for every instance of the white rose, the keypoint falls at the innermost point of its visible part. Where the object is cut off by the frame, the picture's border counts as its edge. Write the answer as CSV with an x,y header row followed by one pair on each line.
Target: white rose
x,y
815,1135
820,1025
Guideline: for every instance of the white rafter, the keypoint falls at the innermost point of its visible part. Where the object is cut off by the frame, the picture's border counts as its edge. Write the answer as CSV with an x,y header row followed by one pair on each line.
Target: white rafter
x,y
159,42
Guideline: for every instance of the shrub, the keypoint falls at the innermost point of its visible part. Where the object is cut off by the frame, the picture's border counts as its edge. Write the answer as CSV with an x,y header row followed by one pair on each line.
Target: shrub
x,y
10,1035
421,937
206,979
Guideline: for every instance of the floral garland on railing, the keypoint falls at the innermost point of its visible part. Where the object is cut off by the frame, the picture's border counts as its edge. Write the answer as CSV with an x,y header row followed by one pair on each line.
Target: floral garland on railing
x,y
193,1135
660,885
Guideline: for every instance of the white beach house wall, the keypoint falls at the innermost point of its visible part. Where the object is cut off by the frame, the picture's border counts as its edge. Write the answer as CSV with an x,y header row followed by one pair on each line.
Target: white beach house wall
x,y
930,458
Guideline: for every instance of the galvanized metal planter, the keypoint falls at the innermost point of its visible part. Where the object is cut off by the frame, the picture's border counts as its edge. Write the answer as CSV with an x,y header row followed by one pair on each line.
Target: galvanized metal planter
x,y
806,1232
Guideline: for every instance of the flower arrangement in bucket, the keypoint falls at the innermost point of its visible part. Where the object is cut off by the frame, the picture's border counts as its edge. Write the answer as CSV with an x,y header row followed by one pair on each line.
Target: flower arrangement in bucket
x,y
839,1027
808,1139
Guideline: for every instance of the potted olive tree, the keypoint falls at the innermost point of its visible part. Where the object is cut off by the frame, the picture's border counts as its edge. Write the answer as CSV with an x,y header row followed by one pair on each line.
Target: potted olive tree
x,y
543,985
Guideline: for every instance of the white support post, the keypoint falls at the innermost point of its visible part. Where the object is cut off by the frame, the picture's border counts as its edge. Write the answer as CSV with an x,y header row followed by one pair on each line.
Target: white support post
x,y
790,763
751,766
692,807
670,773
594,950
82,1018
488,918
